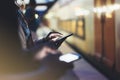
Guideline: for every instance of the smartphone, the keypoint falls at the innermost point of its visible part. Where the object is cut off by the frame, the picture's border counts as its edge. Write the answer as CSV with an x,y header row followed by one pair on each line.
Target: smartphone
x,y
56,44
70,57
65,36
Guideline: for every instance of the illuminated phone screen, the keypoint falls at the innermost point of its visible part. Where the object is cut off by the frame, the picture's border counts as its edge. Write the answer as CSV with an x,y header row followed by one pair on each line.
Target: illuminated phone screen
x,y
70,57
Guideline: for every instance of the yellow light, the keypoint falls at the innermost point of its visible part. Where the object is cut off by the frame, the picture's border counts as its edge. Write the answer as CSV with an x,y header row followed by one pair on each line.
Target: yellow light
x,y
108,15
49,15
83,12
116,6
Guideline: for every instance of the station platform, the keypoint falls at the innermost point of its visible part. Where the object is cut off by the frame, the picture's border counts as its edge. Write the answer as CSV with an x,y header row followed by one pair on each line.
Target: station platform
x,y
82,69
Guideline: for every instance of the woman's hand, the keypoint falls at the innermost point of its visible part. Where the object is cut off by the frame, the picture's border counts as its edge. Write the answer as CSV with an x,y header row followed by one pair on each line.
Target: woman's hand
x,y
44,52
48,46
54,36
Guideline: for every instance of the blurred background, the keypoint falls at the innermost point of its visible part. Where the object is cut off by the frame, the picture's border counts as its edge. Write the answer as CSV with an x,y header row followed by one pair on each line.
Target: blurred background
x,y
95,25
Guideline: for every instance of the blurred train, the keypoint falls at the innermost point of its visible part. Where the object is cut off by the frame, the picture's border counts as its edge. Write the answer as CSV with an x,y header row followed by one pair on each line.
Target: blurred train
x,y
95,25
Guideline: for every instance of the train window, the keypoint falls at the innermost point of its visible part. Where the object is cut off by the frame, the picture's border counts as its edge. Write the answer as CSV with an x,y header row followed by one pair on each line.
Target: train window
x,y
43,1
81,27
64,27
41,8
40,1
73,26
68,25
51,0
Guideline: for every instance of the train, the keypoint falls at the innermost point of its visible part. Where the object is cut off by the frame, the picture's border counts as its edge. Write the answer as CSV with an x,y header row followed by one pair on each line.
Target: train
x,y
95,25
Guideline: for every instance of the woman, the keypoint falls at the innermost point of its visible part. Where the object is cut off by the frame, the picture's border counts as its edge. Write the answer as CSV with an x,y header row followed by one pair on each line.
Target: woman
x,y
17,66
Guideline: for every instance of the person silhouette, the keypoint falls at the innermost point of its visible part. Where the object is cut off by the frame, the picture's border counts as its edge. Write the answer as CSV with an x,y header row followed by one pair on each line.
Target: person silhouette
x,y
17,66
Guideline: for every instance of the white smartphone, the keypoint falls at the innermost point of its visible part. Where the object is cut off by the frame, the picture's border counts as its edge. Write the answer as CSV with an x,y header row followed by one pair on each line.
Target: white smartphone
x,y
69,57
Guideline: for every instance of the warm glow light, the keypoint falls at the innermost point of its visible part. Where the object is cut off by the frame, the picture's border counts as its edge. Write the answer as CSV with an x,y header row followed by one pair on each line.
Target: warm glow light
x,y
100,9
49,15
104,9
108,15
116,6
41,8
69,57
107,9
79,12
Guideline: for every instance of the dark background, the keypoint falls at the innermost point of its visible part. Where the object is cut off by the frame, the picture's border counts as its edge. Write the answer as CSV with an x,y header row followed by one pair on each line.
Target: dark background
x,y
11,59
